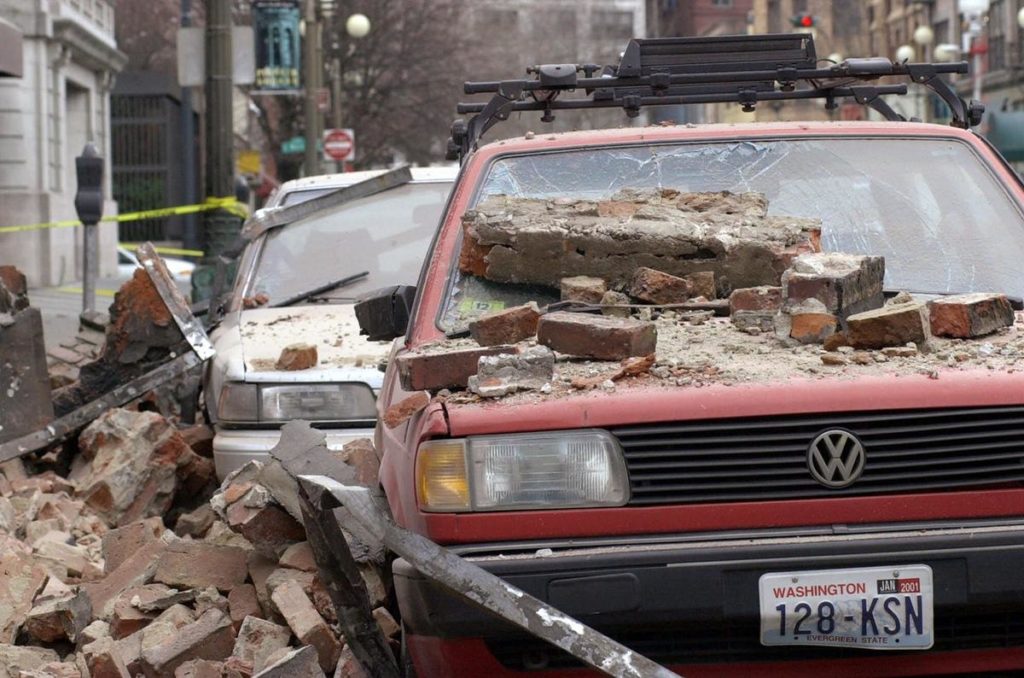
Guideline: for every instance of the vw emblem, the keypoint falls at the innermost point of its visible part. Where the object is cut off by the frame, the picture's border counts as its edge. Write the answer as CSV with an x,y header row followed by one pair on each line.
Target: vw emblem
x,y
835,458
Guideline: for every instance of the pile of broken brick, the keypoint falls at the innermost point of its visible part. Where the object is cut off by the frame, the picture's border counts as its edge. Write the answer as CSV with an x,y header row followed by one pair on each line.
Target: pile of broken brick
x,y
93,583
632,270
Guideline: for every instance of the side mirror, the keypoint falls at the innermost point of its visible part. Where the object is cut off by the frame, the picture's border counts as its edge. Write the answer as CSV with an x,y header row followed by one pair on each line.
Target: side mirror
x,y
384,314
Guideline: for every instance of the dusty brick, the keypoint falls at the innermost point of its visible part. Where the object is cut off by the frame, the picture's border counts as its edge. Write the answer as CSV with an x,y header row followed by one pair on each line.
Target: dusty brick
x,y
193,564
307,624
386,622
844,283
763,298
611,299
889,326
127,618
583,288
209,637
600,337
59,618
299,557
268,527
297,357
966,316
362,456
258,639
348,666
300,663
200,668
507,326
104,661
20,580
195,523
447,369
702,284
260,568
657,287
242,603
200,438
402,411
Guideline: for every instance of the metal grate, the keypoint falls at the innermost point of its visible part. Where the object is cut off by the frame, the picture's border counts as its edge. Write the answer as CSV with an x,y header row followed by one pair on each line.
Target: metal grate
x,y
739,641
766,458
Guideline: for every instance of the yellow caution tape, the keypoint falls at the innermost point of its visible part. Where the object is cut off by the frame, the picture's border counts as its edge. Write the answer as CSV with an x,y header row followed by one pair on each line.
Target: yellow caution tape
x,y
167,250
229,204
100,291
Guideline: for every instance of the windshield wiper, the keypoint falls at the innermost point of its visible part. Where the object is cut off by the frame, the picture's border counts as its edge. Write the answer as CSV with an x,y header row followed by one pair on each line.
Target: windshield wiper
x,y
341,282
1016,303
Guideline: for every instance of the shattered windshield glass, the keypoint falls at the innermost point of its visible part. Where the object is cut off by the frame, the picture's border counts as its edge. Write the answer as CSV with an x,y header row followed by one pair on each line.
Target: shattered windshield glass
x,y
929,206
386,234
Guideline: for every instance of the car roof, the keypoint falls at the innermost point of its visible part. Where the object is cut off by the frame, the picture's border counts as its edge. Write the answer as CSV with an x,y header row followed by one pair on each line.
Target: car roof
x,y
340,180
713,131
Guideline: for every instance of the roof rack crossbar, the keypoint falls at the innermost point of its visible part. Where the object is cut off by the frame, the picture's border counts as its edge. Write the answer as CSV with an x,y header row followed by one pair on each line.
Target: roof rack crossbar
x,y
745,69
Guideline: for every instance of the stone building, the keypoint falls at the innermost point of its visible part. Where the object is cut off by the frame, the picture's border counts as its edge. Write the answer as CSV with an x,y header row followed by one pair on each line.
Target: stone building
x,y
60,103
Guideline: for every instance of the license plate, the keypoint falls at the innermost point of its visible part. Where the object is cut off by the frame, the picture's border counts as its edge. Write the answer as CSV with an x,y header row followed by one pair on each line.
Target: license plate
x,y
874,608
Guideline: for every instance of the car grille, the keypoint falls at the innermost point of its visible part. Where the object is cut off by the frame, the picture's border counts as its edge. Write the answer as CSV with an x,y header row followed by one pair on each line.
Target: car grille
x,y
765,458
740,642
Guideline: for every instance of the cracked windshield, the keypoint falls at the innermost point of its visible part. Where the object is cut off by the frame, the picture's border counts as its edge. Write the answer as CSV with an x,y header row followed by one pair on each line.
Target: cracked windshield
x,y
916,202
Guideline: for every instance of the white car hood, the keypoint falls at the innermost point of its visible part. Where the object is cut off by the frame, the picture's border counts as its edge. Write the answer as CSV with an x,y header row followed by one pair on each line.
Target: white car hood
x,y
251,345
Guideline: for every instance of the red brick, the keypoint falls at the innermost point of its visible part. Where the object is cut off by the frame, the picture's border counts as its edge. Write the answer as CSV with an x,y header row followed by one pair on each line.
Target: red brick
x,y
297,357
966,316
702,284
361,455
597,336
508,326
402,411
307,624
200,668
299,557
889,326
209,637
134,571
660,288
583,288
242,603
59,618
20,580
268,528
120,543
258,639
764,298
447,369
193,564
104,661
812,328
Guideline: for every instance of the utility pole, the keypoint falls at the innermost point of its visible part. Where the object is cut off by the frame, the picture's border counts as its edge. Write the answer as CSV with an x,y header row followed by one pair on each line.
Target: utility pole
x,y
220,227
311,85
190,234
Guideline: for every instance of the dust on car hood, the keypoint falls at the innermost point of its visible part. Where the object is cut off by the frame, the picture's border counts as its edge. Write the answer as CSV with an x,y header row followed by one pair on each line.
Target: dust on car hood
x,y
333,329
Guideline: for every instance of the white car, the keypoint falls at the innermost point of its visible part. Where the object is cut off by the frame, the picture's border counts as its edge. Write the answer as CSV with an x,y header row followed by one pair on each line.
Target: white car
x,y
127,262
375,242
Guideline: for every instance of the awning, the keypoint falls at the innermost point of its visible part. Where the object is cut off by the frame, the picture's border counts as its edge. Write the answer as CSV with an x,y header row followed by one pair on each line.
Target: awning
x,y
10,50
1006,133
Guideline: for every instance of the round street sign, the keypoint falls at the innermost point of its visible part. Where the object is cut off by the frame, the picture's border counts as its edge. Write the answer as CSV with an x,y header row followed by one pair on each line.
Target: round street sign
x,y
339,145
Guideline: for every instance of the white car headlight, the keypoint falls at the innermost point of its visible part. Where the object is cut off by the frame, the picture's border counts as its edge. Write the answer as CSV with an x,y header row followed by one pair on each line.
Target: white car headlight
x,y
259,403
563,469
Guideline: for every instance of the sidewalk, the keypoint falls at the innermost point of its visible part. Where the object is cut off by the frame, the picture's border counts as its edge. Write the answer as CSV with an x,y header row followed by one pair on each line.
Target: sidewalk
x,y
60,307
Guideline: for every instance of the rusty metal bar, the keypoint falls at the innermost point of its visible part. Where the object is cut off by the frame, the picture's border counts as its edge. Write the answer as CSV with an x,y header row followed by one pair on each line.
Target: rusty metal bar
x,y
476,585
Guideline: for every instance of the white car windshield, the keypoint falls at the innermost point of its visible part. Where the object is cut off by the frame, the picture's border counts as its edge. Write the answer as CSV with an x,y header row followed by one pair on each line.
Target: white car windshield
x,y
386,234
938,215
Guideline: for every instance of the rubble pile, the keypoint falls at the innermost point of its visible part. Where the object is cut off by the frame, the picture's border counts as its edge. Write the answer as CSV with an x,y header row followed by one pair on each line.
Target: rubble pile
x,y
686,289
726,237
93,583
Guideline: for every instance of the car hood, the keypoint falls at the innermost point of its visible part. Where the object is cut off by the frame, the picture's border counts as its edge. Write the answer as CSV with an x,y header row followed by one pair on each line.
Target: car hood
x,y
250,342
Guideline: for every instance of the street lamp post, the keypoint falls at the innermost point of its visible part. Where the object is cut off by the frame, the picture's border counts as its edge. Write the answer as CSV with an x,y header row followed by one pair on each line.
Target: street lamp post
x,y
357,26
311,84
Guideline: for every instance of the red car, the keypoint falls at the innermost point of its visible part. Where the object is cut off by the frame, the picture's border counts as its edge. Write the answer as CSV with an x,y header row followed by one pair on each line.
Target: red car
x,y
710,544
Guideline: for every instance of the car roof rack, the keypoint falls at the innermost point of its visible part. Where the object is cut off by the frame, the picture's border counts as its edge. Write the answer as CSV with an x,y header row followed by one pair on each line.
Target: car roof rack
x,y
743,69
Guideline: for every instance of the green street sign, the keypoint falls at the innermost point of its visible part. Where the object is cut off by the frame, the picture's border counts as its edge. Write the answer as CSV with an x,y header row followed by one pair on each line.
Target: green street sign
x,y
294,145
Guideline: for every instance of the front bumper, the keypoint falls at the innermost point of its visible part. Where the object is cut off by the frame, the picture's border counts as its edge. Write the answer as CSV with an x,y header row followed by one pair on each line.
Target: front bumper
x,y
233,448
693,604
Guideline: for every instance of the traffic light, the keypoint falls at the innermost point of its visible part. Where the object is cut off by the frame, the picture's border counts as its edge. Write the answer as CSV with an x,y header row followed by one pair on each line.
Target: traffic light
x,y
802,20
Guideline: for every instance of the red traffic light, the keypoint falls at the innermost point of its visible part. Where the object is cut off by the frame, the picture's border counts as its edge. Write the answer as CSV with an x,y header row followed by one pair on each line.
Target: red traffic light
x,y
803,20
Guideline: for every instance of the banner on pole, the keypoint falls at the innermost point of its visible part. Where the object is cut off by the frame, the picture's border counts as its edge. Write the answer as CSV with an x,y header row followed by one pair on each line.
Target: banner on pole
x,y
278,60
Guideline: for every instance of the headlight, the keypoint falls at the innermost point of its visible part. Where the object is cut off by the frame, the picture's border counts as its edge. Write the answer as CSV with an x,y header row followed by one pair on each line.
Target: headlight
x,y
317,402
256,403
563,469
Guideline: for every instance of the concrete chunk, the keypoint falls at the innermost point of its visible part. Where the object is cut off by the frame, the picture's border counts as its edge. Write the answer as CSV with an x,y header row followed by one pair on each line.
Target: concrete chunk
x,y
583,288
500,375
300,663
594,336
